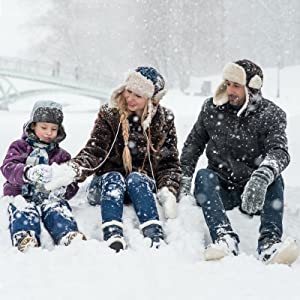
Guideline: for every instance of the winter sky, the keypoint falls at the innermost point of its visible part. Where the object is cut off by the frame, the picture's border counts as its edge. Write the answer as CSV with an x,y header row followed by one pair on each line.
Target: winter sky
x,y
14,14
11,18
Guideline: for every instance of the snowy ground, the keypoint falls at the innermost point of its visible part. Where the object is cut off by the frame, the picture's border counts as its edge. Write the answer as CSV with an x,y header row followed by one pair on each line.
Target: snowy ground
x,y
177,271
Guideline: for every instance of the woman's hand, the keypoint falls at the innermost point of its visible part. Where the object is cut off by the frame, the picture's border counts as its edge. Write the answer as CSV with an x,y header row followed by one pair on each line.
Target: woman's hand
x,y
62,175
168,201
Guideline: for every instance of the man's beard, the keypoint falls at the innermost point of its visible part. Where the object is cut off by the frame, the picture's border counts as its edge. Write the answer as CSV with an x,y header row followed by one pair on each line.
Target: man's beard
x,y
235,100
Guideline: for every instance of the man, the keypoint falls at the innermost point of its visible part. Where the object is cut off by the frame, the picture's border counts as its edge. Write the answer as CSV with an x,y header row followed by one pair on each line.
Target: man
x,y
246,146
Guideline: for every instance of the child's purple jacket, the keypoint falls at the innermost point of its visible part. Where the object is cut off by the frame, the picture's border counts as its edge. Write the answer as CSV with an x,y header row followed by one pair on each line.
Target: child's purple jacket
x,y
15,162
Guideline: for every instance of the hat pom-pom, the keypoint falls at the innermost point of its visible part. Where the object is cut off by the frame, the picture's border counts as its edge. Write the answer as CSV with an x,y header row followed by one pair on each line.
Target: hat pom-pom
x,y
255,82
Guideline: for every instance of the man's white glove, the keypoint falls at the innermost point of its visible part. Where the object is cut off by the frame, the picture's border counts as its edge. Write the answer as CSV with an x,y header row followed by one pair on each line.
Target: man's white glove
x,y
39,174
168,201
62,175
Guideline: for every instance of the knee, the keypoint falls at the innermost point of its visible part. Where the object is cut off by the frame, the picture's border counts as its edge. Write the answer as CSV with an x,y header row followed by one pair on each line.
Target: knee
x,y
93,191
113,177
112,181
206,177
277,187
95,184
135,178
112,188
275,194
278,183
54,205
206,182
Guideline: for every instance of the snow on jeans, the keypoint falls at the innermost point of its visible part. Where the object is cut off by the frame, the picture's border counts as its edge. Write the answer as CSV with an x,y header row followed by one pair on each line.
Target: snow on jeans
x,y
56,216
110,189
215,200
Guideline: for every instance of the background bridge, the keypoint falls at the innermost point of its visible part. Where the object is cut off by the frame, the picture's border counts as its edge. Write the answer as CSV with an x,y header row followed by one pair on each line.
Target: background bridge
x,y
56,79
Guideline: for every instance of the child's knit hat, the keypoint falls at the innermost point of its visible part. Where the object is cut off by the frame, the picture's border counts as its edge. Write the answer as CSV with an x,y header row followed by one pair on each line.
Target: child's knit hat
x,y
49,112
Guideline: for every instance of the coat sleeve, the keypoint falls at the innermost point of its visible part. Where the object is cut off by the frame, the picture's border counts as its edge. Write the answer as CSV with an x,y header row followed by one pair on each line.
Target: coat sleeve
x,y
275,143
14,163
194,146
169,170
98,145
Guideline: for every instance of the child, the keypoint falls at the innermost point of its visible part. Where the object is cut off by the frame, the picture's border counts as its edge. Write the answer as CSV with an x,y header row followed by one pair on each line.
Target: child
x,y
26,169
133,155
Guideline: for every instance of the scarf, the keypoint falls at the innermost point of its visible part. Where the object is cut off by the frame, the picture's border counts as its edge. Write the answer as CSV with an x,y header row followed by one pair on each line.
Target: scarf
x,y
39,154
35,192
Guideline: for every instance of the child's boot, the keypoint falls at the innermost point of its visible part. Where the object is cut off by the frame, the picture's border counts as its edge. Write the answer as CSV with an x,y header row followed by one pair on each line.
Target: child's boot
x,y
24,240
70,237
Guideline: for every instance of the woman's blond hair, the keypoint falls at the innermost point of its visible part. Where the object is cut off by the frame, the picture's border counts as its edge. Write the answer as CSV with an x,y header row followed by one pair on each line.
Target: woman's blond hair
x,y
124,113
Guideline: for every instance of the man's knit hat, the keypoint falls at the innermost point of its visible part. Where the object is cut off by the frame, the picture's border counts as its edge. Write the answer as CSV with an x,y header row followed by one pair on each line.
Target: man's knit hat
x,y
146,82
243,72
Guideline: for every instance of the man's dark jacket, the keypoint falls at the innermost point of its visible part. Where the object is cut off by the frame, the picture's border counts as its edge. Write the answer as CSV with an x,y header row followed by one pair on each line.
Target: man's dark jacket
x,y
238,145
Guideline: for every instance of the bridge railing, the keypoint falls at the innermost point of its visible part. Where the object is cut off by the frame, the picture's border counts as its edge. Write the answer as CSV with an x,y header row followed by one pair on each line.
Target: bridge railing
x,y
56,70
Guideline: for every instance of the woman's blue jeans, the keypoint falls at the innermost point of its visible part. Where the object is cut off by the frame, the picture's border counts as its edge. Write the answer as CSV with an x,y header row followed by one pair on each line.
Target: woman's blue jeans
x,y
110,190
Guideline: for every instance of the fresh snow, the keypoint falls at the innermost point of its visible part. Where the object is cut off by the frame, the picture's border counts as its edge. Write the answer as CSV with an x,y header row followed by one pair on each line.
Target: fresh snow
x,y
90,270
63,175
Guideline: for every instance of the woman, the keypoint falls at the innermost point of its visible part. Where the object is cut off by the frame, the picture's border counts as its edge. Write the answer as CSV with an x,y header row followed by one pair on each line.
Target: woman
x,y
132,152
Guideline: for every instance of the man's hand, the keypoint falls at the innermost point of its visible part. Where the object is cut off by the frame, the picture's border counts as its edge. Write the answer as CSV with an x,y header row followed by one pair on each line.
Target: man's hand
x,y
254,194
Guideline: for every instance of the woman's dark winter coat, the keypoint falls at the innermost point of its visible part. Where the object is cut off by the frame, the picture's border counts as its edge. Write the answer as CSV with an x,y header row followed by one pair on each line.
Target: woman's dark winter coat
x,y
165,162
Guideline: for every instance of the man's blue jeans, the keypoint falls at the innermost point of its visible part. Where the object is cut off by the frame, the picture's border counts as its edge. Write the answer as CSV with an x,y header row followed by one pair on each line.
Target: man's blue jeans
x,y
215,199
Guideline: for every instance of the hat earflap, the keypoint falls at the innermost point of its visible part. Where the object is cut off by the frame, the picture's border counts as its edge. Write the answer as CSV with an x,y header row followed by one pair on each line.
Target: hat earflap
x,y
114,99
255,82
220,96
147,121
159,95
